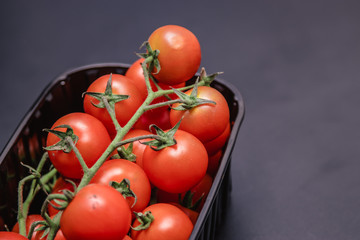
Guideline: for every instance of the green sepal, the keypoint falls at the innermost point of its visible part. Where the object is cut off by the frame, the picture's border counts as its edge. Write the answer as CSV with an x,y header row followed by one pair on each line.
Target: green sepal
x,y
124,188
145,220
108,95
208,79
151,57
125,153
164,139
44,226
190,101
63,144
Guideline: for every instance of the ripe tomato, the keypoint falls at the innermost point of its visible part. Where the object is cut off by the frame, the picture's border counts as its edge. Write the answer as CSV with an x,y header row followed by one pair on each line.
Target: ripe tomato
x,y
11,236
180,53
214,162
92,142
160,117
199,191
118,169
179,167
59,186
97,212
169,223
29,221
218,143
124,109
205,121
138,147
193,215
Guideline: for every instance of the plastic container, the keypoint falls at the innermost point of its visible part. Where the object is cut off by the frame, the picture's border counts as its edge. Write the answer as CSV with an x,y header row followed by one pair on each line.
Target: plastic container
x,y
64,95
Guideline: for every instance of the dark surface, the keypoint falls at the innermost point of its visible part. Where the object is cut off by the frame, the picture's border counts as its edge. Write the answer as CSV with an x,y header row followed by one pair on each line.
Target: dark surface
x,y
296,164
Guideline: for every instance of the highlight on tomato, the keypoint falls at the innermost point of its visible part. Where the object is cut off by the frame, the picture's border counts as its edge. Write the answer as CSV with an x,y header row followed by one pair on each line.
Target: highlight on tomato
x,y
179,54
89,135
165,221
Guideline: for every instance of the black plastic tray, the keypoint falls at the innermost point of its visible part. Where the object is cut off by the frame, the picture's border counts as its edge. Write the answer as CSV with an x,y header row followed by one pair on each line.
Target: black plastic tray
x,y
63,96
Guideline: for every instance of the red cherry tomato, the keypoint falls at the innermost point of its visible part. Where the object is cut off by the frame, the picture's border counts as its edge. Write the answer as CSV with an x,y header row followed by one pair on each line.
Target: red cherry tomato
x,y
193,215
160,117
205,121
11,236
124,109
180,53
218,143
97,212
118,169
169,223
214,162
179,167
199,191
29,221
92,142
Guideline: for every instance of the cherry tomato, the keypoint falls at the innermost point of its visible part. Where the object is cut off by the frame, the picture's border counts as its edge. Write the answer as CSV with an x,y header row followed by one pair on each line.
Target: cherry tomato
x,y
218,143
11,236
169,223
199,191
118,169
97,212
179,167
160,118
92,142
193,215
180,53
138,147
214,162
124,109
127,237
29,221
205,121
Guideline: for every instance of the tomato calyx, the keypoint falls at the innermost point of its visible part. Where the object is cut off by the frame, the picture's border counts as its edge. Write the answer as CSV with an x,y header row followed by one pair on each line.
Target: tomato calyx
x,y
164,139
107,97
145,220
208,79
151,57
190,101
67,139
124,188
125,153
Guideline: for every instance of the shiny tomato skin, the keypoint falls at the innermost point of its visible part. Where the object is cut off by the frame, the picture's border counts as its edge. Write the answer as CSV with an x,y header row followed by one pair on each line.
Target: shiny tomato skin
x,y
169,223
97,212
205,121
118,169
180,53
193,215
29,221
218,143
11,236
93,140
176,168
124,109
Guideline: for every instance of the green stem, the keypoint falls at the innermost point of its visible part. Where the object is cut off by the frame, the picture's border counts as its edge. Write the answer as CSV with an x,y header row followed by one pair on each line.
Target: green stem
x,y
23,206
130,140
78,154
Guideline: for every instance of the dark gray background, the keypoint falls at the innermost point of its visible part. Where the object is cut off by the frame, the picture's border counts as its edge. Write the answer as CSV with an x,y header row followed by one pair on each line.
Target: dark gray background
x,y
296,163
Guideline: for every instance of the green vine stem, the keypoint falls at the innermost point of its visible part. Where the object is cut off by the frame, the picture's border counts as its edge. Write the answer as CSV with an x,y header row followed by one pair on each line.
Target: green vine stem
x,y
36,185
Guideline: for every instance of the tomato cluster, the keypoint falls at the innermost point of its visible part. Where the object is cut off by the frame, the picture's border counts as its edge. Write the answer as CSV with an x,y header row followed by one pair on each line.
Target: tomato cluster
x,y
139,162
